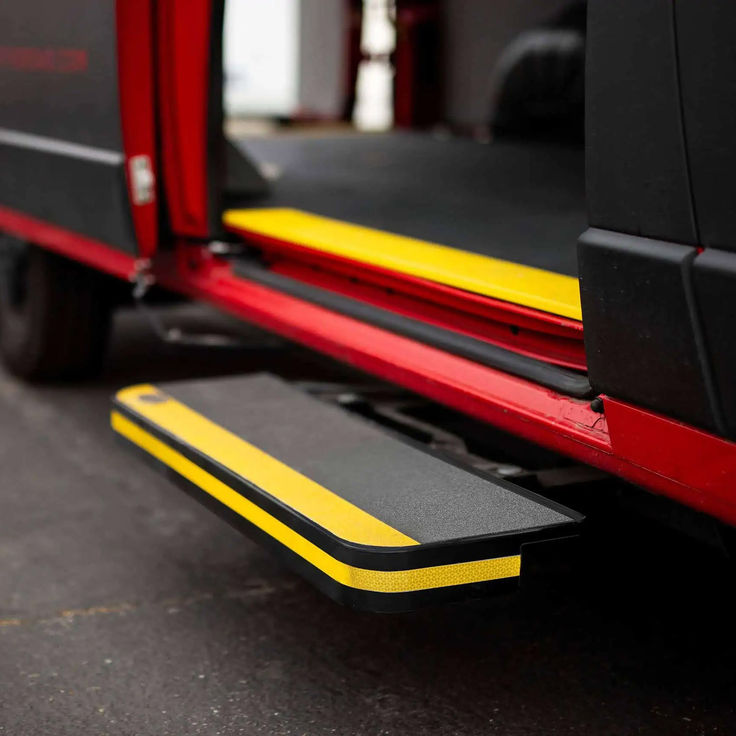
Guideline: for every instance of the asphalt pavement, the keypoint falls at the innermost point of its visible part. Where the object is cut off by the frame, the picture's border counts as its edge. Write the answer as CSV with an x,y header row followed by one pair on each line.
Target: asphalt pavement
x,y
126,608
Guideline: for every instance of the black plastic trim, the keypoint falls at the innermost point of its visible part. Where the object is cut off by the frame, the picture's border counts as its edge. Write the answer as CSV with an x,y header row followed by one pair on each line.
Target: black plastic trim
x,y
642,330
713,276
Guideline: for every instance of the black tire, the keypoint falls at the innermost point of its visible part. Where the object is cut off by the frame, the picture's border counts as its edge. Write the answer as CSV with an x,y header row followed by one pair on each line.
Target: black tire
x,y
54,314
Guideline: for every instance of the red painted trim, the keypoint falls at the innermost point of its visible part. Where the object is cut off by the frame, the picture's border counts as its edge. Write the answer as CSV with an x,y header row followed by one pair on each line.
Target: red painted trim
x,y
483,306
486,306
541,345
44,59
665,456
86,250
136,84
642,447
431,290
205,277
183,101
703,464
547,336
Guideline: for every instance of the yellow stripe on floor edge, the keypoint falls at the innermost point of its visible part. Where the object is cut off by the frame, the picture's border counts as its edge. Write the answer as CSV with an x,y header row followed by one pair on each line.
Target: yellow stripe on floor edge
x,y
379,581
322,506
511,282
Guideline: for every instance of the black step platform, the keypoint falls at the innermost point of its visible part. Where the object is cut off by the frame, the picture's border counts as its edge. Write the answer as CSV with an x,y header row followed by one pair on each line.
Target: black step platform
x,y
371,520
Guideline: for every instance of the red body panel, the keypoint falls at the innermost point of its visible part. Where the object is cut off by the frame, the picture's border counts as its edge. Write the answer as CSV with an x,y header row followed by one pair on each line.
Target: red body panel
x,y
183,101
86,250
704,465
135,79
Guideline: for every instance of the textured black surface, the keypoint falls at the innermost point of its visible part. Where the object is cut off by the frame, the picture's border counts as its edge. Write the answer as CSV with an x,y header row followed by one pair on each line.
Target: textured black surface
x,y
707,59
640,332
637,175
714,281
416,493
519,202
565,381
242,178
58,73
86,197
127,608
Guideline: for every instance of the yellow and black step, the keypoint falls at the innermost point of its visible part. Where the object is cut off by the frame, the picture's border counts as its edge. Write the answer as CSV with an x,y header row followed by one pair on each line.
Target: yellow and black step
x,y
372,521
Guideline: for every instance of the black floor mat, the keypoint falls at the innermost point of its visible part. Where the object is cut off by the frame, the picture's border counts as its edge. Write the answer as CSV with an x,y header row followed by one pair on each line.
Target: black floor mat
x,y
520,202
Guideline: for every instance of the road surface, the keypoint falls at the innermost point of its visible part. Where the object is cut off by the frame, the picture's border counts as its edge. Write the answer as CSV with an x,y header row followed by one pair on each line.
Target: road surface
x,y
125,608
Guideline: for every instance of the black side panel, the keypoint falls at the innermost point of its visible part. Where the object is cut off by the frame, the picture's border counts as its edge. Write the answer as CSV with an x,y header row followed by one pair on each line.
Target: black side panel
x,y
639,340
637,178
76,194
60,140
705,33
706,36
644,335
714,277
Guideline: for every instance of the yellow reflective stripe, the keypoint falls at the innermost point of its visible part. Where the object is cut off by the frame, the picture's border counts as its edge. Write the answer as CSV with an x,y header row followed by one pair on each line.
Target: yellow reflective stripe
x,y
379,581
512,282
322,506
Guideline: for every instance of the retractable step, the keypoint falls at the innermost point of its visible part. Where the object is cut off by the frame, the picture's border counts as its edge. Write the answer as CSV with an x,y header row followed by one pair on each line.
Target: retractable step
x,y
372,521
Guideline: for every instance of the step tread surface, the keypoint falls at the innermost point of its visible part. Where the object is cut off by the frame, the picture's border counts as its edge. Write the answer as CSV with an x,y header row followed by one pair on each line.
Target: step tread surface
x,y
418,494
370,519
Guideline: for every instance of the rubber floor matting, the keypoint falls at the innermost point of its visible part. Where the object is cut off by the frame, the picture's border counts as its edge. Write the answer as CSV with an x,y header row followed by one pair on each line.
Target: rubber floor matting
x,y
520,202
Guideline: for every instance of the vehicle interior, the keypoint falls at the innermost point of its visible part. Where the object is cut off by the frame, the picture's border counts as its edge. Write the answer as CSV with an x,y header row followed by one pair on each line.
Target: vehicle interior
x,y
510,187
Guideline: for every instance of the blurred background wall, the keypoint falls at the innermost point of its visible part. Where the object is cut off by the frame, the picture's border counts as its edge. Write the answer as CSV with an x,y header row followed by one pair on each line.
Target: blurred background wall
x,y
298,59
285,58
475,32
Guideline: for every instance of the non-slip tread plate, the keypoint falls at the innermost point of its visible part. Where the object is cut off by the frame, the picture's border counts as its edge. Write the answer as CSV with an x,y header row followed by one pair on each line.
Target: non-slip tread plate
x,y
412,491
370,520
420,495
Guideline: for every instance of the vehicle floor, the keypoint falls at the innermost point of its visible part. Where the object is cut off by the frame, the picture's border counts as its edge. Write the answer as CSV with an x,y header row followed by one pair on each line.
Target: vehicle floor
x,y
515,201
